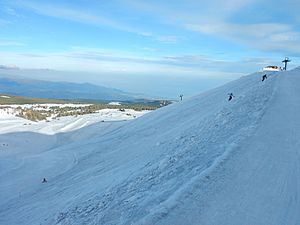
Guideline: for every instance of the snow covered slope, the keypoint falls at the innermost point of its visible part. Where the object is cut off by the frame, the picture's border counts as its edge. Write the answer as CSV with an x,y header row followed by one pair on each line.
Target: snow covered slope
x,y
205,160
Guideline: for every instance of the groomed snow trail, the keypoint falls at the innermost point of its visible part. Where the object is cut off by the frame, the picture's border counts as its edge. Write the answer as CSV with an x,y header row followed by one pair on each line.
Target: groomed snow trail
x,y
202,161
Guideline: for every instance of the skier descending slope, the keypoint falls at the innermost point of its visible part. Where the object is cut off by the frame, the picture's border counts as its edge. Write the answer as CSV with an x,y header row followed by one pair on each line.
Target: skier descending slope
x,y
264,77
230,96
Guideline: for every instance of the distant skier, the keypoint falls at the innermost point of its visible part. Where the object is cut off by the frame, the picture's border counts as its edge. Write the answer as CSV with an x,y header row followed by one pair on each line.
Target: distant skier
x,y
264,77
230,96
44,180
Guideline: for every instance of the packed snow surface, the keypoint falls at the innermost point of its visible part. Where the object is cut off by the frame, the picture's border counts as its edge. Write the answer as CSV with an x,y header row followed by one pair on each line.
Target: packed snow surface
x,y
204,160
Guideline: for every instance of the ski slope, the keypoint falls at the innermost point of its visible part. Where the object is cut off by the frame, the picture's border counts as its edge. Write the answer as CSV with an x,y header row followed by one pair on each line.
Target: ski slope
x,y
205,160
30,150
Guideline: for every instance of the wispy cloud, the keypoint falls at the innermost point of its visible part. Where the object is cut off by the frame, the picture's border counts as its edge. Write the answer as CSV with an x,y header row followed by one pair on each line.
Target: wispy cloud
x,y
4,22
168,39
121,62
10,11
67,13
9,67
90,18
218,18
180,12
147,49
265,37
4,43
239,30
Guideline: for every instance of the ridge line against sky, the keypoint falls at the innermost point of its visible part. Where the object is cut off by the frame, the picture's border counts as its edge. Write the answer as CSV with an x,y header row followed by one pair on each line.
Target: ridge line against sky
x,y
159,38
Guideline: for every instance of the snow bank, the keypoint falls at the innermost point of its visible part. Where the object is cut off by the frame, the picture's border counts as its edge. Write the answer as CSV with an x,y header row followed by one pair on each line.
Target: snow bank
x,y
114,103
44,106
10,123
4,96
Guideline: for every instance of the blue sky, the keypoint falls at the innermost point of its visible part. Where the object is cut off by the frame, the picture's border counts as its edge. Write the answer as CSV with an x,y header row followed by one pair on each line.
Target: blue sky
x,y
155,47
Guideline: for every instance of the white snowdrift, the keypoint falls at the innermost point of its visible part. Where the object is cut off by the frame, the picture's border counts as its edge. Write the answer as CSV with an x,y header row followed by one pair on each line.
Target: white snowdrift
x,y
9,122
4,96
201,161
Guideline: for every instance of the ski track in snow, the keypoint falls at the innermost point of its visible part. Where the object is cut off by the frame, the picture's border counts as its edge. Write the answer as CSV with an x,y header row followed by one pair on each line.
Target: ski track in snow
x,y
201,161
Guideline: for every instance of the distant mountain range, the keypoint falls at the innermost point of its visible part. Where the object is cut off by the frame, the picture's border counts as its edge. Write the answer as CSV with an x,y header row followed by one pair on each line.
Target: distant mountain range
x,y
62,90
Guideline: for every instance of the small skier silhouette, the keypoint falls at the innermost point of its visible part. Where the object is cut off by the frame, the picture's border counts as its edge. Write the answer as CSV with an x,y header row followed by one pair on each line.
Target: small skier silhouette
x,y
230,96
181,96
264,77
44,180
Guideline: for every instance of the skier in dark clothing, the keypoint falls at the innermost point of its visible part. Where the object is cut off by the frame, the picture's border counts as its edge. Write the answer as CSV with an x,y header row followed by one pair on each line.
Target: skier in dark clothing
x,y
230,96
264,77
44,180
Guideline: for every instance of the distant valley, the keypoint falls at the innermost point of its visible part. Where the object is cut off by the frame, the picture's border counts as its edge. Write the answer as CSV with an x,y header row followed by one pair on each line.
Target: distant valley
x,y
63,90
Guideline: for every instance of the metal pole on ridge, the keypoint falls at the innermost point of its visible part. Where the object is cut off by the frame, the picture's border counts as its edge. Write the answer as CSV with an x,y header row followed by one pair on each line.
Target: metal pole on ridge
x,y
285,61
